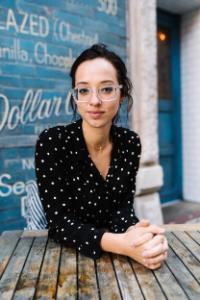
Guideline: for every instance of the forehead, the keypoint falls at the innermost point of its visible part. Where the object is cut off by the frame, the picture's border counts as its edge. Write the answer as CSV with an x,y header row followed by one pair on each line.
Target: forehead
x,y
96,70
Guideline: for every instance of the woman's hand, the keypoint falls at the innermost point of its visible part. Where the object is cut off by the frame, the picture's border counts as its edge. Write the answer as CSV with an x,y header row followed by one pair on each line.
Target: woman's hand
x,y
146,244
142,232
155,251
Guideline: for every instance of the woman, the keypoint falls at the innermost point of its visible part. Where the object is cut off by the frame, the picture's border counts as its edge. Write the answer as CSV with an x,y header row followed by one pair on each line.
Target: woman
x,y
86,170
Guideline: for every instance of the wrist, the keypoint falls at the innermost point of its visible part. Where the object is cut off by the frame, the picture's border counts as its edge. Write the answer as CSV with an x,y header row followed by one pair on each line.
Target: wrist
x,y
130,227
113,242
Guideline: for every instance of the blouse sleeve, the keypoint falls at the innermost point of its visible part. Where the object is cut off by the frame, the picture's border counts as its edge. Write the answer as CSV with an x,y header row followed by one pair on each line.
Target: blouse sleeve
x,y
56,198
125,216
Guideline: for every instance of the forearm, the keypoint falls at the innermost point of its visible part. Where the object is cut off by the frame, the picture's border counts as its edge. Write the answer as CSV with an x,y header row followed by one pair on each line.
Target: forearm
x,y
113,242
119,244
150,251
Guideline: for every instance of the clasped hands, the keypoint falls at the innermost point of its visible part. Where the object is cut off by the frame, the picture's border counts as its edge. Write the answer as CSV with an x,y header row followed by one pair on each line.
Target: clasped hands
x,y
146,244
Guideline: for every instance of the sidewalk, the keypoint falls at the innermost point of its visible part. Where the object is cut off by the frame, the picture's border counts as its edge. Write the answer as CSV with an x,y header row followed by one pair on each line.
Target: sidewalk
x,y
182,212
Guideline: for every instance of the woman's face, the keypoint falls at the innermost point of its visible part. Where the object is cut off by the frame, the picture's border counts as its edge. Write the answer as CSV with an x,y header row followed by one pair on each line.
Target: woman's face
x,y
95,73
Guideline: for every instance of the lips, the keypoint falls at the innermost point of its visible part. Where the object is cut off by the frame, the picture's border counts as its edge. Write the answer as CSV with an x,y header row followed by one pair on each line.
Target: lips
x,y
96,113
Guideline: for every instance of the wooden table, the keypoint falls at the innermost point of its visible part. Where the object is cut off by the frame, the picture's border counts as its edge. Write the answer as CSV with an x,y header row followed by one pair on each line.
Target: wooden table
x,y
34,267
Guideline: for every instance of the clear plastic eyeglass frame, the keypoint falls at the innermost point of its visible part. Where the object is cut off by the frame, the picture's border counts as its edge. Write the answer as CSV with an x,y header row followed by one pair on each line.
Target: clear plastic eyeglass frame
x,y
98,93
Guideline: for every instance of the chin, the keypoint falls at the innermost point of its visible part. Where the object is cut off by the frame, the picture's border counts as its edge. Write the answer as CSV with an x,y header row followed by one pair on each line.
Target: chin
x,y
98,123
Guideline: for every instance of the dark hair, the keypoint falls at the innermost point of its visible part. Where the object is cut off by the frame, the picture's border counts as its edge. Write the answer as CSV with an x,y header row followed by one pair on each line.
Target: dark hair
x,y
100,50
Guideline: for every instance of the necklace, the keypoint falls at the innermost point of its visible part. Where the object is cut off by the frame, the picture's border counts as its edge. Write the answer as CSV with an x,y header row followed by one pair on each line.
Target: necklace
x,y
100,148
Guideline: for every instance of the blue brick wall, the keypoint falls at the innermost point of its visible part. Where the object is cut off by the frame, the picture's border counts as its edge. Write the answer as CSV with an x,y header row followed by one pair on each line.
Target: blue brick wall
x,y
39,41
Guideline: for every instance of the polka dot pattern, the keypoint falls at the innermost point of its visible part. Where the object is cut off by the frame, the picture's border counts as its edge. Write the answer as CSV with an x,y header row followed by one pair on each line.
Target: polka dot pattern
x,y
80,205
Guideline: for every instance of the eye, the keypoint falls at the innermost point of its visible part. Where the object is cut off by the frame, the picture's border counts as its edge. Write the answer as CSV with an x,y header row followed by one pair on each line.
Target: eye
x,y
83,91
107,90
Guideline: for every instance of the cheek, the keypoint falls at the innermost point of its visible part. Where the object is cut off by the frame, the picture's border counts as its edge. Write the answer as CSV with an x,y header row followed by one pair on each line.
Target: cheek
x,y
114,108
80,109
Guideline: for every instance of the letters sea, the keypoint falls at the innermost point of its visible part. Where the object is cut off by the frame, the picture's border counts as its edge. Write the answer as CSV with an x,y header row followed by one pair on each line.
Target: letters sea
x,y
33,107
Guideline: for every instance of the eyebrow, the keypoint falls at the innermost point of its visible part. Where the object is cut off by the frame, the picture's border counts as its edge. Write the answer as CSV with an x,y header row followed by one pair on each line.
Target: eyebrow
x,y
104,81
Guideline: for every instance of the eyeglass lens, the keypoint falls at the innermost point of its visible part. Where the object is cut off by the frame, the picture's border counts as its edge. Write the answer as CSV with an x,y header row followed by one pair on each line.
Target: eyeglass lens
x,y
104,93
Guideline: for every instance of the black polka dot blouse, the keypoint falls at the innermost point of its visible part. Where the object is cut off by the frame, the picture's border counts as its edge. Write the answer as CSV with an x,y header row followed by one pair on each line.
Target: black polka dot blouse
x,y
80,205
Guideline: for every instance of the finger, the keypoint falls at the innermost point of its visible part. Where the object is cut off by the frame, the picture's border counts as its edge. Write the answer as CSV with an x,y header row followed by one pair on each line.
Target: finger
x,y
142,239
166,247
155,260
155,241
155,250
158,250
165,255
154,266
166,244
155,229
143,223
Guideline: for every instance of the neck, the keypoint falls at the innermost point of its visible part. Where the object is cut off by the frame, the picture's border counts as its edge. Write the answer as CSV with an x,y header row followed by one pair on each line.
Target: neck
x,y
96,138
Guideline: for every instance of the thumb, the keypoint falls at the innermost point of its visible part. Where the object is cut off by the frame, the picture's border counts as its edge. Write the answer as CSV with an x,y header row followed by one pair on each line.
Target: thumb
x,y
143,223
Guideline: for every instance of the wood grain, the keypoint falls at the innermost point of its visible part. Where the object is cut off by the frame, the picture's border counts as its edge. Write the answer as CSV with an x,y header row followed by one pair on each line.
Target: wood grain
x,y
8,243
34,233
126,278
169,284
47,285
87,283
34,267
195,236
12,273
148,283
26,285
67,279
107,280
189,243
182,227
182,274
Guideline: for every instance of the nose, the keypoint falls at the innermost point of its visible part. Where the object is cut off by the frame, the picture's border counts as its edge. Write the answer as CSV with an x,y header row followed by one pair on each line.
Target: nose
x,y
94,100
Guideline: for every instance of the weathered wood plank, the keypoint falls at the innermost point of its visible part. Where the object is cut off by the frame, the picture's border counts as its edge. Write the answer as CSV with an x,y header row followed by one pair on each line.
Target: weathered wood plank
x,y
183,275
126,278
148,283
87,283
14,268
178,278
7,245
26,285
14,233
47,285
35,233
177,246
187,240
67,280
195,235
181,227
169,284
106,277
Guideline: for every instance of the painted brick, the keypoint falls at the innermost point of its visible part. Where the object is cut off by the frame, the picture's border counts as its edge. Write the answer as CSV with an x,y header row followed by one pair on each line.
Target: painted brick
x,y
39,41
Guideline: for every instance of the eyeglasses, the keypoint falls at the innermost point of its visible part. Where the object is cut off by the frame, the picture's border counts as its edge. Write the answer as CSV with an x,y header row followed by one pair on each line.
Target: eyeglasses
x,y
105,93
